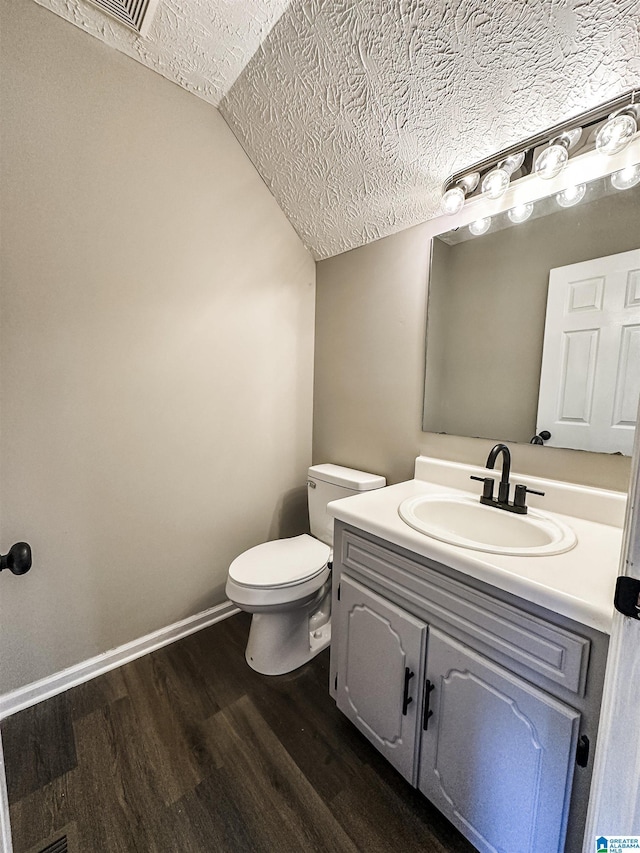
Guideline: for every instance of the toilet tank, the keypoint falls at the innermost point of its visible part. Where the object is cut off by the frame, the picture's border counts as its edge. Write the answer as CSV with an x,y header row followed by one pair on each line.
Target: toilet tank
x,y
326,483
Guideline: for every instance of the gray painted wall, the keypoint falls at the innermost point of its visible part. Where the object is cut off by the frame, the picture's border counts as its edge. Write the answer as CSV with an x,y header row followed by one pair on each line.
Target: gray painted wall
x,y
156,347
371,309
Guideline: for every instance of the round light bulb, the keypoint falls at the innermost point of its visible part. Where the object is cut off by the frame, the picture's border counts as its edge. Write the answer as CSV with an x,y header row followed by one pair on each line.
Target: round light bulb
x,y
616,134
626,178
551,161
520,213
480,226
453,201
571,196
495,183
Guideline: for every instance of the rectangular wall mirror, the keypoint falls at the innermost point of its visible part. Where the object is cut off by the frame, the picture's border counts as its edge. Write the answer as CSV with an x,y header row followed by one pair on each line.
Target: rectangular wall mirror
x,y
487,313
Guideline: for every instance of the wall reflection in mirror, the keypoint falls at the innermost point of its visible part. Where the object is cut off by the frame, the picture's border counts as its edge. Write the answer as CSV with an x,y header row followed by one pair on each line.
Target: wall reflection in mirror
x,y
534,322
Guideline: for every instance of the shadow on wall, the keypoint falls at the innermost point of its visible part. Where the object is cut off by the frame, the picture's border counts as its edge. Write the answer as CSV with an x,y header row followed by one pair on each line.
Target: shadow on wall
x,y
290,516
217,595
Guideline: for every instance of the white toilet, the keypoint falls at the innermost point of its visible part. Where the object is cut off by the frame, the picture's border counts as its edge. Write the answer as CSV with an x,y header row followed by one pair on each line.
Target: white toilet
x,y
286,584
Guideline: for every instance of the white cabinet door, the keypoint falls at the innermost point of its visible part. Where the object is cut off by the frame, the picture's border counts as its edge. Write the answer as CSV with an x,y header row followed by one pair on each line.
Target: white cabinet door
x,y
381,672
590,375
498,755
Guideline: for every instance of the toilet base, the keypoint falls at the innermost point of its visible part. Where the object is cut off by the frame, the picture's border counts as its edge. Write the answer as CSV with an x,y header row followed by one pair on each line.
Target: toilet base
x,y
281,642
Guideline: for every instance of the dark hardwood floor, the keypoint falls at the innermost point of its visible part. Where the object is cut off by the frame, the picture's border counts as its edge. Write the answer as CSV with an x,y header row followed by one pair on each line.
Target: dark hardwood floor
x,y
189,750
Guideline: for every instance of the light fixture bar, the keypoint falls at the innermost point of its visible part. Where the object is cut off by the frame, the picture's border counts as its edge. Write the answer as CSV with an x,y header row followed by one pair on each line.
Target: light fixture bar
x,y
583,120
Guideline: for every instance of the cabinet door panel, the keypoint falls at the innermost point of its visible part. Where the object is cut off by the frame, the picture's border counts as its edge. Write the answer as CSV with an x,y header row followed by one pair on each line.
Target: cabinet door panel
x,y
377,643
498,755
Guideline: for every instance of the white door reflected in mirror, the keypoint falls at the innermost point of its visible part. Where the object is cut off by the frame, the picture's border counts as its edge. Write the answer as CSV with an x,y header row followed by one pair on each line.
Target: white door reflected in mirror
x,y
590,375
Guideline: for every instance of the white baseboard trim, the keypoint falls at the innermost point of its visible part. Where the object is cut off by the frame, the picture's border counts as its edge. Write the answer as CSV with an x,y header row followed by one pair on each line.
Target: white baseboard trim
x,y
37,691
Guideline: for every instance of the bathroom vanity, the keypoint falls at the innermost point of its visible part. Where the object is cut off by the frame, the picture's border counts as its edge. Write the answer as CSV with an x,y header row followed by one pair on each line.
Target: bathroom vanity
x,y
478,675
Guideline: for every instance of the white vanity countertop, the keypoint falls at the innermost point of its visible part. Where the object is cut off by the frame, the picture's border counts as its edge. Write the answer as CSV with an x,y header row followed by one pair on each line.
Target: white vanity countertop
x,y
578,584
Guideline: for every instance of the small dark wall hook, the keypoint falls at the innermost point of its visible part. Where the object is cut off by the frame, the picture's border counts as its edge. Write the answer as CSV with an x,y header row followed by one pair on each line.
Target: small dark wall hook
x,y
18,560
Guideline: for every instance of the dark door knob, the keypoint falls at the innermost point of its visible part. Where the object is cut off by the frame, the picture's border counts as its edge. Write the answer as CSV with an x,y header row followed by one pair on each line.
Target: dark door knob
x,y
18,560
543,435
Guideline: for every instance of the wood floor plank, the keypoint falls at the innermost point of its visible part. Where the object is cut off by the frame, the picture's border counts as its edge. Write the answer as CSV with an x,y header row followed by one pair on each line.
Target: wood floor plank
x,y
219,663
309,725
116,794
38,745
97,693
214,820
188,665
42,813
160,732
382,817
276,797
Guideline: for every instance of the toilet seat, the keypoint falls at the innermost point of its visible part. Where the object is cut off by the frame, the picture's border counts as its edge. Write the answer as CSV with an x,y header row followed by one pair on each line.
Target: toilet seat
x,y
282,563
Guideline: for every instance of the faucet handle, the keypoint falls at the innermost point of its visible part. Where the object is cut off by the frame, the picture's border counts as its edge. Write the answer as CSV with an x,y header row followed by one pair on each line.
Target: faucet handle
x,y
520,496
487,488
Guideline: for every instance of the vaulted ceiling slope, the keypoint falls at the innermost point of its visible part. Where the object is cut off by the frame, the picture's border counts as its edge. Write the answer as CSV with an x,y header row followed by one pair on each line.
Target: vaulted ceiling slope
x,y
355,111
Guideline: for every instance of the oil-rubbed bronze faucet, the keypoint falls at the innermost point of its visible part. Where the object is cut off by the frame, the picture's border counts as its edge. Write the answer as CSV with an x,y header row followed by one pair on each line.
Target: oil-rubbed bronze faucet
x,y
502,501
503,488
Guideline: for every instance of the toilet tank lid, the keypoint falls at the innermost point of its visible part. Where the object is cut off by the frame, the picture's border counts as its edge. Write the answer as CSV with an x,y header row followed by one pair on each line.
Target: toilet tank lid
x,y
350,478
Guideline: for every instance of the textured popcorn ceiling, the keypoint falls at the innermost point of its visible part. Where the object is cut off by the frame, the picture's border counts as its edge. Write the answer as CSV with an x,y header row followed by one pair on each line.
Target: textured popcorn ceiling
x,y
355,111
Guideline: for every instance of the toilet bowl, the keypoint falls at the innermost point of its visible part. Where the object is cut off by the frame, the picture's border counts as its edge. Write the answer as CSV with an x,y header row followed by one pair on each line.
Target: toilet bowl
x,y
286,584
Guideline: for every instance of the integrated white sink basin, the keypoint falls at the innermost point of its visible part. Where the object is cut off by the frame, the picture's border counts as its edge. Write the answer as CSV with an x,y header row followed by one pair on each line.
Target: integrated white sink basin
x,y
576,574
464,521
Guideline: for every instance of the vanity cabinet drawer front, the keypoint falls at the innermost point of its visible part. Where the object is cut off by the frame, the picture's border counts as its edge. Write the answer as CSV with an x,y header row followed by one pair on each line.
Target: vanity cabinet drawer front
x,y
505,632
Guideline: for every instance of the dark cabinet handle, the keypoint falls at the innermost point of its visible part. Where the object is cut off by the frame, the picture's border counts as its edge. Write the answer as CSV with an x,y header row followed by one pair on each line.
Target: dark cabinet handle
x,y
427,711
18,560
582,751
406,699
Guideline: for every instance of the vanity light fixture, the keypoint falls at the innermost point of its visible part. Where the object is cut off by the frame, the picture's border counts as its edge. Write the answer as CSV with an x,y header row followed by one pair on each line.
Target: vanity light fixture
x,y
480,226
571,196
608,128
496,182
453,199
626,178
619,130
520,213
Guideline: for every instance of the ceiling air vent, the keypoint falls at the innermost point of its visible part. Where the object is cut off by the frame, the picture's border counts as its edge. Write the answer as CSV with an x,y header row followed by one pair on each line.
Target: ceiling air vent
x,y
135,14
